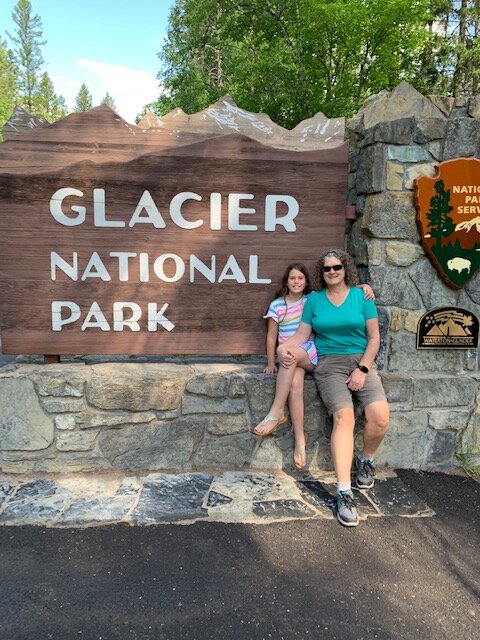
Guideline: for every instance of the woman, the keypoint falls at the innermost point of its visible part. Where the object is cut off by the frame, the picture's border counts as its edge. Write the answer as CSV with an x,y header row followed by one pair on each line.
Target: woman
x,y
347,340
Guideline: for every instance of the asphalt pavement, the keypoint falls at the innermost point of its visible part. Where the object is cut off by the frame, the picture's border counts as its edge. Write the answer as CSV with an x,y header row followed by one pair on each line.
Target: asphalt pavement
x,y
397,575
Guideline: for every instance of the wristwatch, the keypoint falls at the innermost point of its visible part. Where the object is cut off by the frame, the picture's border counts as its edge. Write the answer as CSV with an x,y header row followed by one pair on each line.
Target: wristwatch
x,y
362,368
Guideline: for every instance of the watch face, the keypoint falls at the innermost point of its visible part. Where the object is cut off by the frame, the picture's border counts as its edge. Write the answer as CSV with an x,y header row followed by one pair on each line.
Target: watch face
x,y
363,368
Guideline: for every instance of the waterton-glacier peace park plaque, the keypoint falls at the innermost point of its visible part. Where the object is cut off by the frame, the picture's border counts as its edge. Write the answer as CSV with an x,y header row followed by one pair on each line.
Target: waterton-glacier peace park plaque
x,y
165,238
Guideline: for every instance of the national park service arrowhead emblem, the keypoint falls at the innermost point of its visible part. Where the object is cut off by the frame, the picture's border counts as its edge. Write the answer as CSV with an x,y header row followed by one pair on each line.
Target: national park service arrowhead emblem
x,y
448,217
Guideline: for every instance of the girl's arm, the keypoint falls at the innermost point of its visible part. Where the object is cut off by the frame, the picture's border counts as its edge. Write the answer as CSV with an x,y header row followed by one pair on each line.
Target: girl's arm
x,y
272,335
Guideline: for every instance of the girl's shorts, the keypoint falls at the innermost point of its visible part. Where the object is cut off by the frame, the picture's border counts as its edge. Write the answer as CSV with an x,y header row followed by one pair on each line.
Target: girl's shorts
x,y
331,374
309,347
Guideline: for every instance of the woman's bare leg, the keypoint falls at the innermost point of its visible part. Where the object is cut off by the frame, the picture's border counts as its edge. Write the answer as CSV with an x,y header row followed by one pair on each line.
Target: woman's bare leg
x,y
376,425
341,443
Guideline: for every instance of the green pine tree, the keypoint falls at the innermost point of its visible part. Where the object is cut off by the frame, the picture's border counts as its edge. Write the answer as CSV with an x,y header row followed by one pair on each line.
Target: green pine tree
x,y
27,41
46,101
83,101
108,100
440,223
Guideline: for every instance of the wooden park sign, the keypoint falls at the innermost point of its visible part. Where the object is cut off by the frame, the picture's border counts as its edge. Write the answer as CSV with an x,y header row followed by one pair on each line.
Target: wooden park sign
x,y
448,216
165,238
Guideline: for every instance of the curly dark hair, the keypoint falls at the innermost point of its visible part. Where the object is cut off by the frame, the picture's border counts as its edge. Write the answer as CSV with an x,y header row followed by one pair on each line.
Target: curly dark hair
x,y
351,275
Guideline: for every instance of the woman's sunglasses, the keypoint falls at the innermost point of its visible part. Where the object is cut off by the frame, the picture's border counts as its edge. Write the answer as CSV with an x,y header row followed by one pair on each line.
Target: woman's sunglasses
x,y
335,267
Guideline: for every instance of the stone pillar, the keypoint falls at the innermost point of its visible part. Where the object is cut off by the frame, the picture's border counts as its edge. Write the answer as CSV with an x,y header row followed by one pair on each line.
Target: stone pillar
x,y
395,138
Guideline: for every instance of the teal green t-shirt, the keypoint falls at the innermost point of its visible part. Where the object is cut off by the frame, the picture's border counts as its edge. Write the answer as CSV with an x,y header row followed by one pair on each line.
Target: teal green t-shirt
x,y
339,330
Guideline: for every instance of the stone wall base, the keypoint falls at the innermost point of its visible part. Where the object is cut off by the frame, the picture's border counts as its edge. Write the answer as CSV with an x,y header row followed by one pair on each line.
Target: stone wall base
x,y
158,417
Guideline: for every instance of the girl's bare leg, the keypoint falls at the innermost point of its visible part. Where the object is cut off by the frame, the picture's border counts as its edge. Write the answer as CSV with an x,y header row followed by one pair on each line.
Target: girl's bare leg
x,y
283,387
296,406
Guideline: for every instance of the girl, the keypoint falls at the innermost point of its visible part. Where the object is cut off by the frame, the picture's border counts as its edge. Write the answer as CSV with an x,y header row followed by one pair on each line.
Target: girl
x,y
284,315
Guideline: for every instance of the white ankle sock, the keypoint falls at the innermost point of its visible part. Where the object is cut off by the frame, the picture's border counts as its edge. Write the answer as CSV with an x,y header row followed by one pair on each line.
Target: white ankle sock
x,y
363,458
344,486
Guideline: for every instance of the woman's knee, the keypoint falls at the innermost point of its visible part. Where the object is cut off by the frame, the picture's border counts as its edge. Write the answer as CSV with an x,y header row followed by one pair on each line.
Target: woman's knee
x,y
344,419
377,415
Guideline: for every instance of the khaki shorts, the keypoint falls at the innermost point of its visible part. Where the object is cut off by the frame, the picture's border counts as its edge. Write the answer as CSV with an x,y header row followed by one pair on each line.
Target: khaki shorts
x,y
331,374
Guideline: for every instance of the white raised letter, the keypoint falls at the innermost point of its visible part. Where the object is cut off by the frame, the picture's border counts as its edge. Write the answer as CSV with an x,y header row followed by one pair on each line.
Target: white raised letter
x,y
160,271
143,258
176,210
99,321
132,322
253,272
156,317
57,211
153,214
57,261
99,219
236,272
215,211
286,221
235,210
123,257
96,263
57,320
199,265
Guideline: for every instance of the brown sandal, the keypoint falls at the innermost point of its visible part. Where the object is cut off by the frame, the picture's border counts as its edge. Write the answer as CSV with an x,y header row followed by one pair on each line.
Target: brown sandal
x,y
269,418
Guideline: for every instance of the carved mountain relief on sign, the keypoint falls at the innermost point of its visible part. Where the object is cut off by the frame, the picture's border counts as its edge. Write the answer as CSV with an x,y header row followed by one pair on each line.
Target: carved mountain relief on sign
x,y
161,239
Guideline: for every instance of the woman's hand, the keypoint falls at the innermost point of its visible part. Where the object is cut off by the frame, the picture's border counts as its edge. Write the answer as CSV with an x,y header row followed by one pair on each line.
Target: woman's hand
x,y
286,357
356,380
368,293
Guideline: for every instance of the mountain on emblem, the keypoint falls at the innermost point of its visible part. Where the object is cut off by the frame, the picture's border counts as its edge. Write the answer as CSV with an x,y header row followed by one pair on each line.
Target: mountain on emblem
x,y
448,218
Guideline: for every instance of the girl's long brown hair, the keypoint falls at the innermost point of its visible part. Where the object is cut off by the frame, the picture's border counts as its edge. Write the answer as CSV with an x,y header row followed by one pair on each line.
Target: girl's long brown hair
x,y
283,290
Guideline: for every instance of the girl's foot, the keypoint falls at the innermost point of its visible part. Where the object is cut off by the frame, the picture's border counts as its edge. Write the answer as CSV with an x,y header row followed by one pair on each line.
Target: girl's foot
x,y
300,454
268,425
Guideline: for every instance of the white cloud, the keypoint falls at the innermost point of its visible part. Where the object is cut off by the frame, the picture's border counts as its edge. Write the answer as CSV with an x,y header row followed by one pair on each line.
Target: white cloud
x,y
131,89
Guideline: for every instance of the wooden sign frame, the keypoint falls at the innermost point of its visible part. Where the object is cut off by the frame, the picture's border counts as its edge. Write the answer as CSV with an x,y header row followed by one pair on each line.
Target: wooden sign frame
x,y
129,242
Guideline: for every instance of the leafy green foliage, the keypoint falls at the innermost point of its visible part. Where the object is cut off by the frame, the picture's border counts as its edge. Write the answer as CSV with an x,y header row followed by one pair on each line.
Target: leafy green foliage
x,y
8,84
292,58
450,60
468,464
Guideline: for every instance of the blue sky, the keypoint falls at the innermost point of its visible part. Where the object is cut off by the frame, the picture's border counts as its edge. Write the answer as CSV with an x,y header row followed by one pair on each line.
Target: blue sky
x,y
108,44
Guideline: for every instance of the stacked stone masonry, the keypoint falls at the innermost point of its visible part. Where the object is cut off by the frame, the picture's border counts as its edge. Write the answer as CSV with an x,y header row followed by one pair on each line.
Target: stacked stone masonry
x,y
434,394
147,416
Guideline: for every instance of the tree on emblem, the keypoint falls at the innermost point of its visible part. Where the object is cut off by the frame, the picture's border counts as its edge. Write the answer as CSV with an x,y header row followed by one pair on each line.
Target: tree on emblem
x,y
440,223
